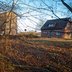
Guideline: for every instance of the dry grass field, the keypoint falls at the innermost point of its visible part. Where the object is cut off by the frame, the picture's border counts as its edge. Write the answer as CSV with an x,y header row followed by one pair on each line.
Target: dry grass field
x,y
23,54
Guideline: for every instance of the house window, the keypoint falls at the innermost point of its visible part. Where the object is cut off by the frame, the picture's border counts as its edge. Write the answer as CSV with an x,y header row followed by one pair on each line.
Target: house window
x,y
57,33
51,25
45,32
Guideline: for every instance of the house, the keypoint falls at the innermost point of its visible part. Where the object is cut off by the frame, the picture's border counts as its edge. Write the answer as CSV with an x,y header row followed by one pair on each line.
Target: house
x,y
57,28
8,23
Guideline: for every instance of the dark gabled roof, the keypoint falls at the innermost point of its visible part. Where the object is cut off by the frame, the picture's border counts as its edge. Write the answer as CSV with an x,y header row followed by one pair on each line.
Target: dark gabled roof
x,y
58,24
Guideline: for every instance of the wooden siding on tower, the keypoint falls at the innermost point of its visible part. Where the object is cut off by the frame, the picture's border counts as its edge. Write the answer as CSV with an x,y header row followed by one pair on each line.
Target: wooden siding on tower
x,y
8,21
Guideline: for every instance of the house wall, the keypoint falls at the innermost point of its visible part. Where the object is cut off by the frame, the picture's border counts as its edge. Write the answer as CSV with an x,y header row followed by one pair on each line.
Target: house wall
x,y
10,23
51,33
56,34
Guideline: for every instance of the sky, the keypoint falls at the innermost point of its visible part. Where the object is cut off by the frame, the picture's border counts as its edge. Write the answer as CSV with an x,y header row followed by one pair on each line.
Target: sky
x,y
32,12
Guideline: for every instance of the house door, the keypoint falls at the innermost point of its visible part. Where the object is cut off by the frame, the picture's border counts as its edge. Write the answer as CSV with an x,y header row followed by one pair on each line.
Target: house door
x,y
51,34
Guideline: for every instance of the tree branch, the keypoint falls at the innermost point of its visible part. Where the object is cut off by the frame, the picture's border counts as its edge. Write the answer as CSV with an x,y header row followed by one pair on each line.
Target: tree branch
x,y
68,7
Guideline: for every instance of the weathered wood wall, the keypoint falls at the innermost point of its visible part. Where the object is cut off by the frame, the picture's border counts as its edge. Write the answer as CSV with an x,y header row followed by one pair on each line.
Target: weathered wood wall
x,y
8,23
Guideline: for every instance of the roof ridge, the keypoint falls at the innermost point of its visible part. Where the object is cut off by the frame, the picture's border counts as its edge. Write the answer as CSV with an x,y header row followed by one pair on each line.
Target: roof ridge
x,y
60,18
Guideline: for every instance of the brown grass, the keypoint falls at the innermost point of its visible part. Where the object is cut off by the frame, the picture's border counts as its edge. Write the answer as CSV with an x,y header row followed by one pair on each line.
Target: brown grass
x,y
21,55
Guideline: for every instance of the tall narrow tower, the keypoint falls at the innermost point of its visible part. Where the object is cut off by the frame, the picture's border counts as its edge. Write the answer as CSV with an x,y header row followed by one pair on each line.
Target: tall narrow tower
x,y
8,23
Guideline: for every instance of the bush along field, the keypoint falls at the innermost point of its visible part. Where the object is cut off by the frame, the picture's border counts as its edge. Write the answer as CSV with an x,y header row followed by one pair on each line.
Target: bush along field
x,y
19,54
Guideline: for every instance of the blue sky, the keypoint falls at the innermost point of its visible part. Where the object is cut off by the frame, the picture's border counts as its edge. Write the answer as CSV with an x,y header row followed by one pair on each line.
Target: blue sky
x,y
33,11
